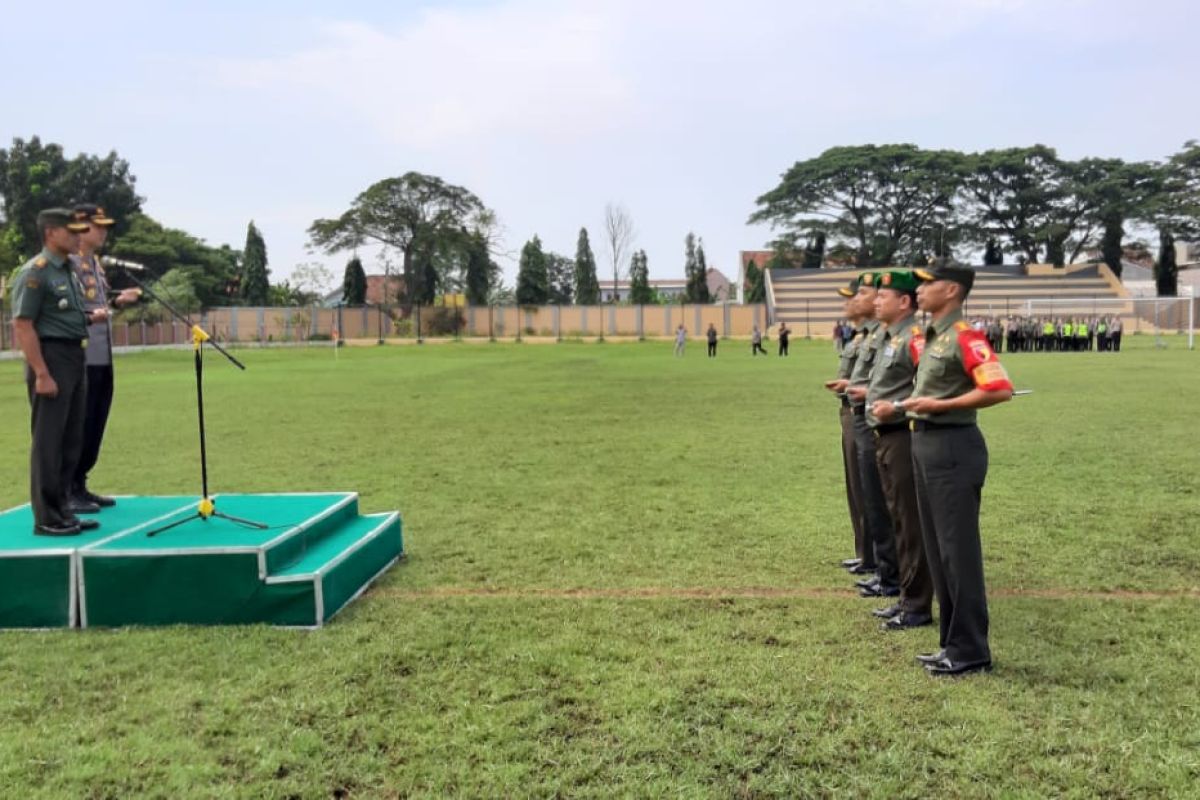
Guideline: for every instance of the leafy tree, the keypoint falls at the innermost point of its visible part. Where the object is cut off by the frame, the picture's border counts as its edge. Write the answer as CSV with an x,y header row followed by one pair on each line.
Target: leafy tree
x,y
587,285
354,284
691,270
211,271
878,198
1173,207
532,280
177,288
255,275
418,215
34,176
481,272
560,276
639,280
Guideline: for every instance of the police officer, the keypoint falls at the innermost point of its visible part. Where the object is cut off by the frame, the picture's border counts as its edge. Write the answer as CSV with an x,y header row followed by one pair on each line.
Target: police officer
x,y
50,325
877,522
957,375
864,554
96,295
892,383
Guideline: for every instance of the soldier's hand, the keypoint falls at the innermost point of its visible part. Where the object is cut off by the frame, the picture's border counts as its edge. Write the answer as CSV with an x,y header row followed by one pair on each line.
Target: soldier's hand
x,y
857,393
45,386
99,315
883,409
837,385
923,405
128,297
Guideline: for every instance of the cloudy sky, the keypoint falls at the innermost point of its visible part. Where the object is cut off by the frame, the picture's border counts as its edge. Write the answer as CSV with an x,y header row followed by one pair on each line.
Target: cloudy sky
x,y
684,112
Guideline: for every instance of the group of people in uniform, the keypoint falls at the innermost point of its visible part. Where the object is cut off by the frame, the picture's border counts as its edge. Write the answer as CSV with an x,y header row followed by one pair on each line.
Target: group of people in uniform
x,y
61,303
915,460
1052,334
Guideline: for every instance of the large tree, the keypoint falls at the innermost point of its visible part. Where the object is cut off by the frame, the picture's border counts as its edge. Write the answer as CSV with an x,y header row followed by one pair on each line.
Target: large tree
x,y
354,283
34,176
756,283
1173,207
691,289
877,198
481,272
560,279
587,285
212,272
418,215
702,294
533,287
619,234
256,282
640,292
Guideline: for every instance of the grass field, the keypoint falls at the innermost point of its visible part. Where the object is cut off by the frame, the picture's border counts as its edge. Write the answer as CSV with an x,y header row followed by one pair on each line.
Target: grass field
x,y
622,581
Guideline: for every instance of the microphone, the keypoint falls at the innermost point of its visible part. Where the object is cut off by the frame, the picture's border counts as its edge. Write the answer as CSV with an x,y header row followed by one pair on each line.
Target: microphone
x,y
109,261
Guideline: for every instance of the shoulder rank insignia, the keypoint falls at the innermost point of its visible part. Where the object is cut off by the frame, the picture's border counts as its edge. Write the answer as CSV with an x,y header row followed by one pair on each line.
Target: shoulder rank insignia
x,y
915,330
40,262
962,325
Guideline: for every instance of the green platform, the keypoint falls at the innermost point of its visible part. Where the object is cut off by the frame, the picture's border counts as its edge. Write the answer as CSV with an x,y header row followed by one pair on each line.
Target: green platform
x,y
317,554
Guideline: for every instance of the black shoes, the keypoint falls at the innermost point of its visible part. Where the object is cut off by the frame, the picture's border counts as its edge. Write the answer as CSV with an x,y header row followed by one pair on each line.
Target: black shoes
x,y
867,583
85,524
905,620
877,590
77,504
99,499
66,529
860,569
946,667
887,613
851,563
925,659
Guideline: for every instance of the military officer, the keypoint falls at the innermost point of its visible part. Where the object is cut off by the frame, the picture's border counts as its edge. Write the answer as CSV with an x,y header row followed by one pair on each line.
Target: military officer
x,y
96,295
877,523
864,554
892,383
958,374
50,326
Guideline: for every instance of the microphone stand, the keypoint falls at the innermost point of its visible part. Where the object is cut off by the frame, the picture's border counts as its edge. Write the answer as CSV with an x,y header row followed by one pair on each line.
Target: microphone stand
x,y
206,508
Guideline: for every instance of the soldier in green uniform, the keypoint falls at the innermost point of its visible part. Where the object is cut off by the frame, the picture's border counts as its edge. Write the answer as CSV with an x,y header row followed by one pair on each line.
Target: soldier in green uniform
x,y
957,375
51,325
864,554
96,296
877,523
891,384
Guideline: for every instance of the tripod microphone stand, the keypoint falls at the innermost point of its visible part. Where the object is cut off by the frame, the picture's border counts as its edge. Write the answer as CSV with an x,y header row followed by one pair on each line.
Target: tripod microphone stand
x,y
206,508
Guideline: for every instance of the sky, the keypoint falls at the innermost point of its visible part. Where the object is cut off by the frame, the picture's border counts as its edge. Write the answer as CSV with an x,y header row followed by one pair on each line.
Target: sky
x,y
682,112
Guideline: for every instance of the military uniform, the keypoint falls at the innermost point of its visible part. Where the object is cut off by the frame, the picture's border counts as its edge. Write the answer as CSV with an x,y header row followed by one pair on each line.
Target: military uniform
x,y
48,292
951,460
892,380
876,521
99,359
863,550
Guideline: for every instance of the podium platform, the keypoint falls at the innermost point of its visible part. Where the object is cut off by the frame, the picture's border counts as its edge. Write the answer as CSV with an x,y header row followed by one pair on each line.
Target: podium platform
x,y
317,554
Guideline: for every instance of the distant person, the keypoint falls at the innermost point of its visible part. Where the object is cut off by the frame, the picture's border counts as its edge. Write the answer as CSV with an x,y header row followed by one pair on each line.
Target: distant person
x,y
756,342
1114,335
712,340
680,340
784,334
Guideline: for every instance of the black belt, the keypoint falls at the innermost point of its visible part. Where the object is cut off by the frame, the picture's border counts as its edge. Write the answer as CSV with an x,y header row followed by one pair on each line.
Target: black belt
x,y
918,425
894,427
858,411
845,401
61,340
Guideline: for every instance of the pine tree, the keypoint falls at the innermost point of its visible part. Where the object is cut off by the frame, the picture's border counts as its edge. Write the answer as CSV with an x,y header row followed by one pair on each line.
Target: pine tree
x,y
256,285
702,295
756,287
587,285
1166,273
354,284
479,271
691,292
639,279
993,255
533,287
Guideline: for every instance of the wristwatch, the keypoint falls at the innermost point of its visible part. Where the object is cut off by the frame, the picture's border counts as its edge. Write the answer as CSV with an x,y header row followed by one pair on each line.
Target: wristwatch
x,y
898,405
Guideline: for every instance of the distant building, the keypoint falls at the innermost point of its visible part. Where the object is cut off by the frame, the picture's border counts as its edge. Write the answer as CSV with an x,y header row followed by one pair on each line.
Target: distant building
x,y
375,291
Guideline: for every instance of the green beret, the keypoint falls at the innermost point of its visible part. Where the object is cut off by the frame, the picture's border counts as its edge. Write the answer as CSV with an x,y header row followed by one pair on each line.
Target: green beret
x,y
866,279
900,280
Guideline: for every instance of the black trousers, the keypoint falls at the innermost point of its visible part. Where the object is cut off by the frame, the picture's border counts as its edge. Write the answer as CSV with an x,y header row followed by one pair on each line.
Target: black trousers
x,y
712,348
99,402
756,348
1116,342
57,427
876,521
950,466
783,347
862,548
893,454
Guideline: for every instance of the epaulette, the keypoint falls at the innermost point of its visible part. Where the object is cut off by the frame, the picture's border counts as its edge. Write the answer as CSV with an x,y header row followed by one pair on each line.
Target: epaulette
x,y
40,262
962,325
915,330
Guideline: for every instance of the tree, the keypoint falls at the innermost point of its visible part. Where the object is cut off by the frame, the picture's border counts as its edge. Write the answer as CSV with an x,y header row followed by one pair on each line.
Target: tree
x,y
1166,273
1173,207
879,198
814,251
697,284
618,234
532,281
560,278
756,283
587,286
992,254
34,176
481,272
212,271
256,283
177,288
354,284
312,279
702,295
414,214
639,280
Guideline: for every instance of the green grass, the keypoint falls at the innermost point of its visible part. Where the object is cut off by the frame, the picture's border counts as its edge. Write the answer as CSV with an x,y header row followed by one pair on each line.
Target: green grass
x,y
621,581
